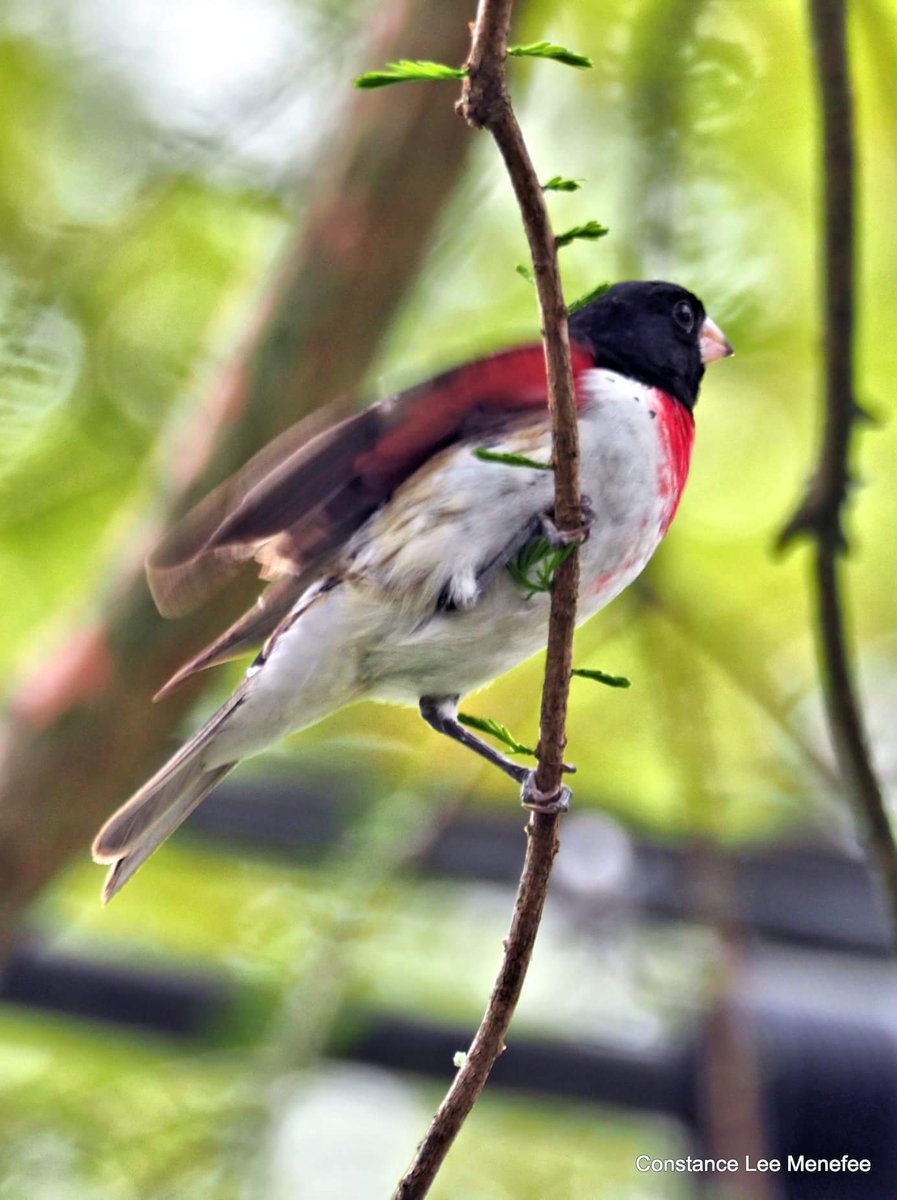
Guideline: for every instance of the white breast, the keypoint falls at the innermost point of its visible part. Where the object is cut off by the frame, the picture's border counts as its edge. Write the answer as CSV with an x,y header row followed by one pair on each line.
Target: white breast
x,y
452,516
623,457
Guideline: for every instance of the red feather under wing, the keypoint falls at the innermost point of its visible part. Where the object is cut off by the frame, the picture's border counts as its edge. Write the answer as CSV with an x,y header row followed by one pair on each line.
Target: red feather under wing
x,y
472,399
298,502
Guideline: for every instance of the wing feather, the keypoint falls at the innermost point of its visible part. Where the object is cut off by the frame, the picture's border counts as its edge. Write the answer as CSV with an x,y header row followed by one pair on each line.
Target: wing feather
x,y
246,633
297,502
193,560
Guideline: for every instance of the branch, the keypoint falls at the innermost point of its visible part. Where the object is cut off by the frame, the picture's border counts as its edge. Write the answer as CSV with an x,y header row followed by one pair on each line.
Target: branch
x,y
485,104
820,514
489,1041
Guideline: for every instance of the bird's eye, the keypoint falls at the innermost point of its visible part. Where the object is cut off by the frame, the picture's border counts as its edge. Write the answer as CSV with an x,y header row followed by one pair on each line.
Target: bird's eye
x,y
684,315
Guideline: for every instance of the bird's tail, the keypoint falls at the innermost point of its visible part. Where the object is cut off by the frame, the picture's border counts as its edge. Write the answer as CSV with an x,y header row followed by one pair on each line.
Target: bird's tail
x,y
153,813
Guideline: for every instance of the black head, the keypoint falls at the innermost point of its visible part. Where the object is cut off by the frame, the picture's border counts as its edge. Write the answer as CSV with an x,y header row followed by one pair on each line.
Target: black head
x,y
650,331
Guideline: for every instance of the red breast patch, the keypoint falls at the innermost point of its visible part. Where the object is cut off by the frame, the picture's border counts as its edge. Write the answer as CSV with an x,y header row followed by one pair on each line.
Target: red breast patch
x,y
676,427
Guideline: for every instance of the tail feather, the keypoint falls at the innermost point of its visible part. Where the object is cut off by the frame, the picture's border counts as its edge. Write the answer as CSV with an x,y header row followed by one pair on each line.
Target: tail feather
x,y
148,840
153,813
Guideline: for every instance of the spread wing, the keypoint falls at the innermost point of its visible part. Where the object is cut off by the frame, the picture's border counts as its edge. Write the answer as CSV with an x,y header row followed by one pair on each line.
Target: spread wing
x,y
294,505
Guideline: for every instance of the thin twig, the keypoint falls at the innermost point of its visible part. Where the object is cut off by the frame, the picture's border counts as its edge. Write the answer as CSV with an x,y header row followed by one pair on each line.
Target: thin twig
x,y
489,1041
821,513
485,104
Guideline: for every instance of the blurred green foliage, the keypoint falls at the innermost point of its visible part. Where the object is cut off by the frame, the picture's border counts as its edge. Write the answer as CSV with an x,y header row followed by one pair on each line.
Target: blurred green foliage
x,y
130,257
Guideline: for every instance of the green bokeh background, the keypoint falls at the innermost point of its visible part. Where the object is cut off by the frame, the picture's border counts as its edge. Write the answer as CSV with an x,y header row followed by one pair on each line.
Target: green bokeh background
x,y
134,239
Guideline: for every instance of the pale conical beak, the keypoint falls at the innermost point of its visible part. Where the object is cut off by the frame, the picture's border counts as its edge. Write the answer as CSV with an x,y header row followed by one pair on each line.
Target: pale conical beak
x,y
714,343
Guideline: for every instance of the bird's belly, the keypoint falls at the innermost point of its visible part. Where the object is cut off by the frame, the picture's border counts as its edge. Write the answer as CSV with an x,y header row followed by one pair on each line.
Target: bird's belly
x,y
458,652
626,478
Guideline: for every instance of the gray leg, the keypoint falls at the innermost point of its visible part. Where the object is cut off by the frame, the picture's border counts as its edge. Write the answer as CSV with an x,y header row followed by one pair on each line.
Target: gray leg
x,y
441,714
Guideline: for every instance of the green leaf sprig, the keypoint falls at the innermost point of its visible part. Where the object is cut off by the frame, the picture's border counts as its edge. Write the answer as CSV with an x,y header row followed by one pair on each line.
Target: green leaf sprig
x,y
535,566
556,53
511,460
496,730
408,70
595,294
590,232
614,681
558,183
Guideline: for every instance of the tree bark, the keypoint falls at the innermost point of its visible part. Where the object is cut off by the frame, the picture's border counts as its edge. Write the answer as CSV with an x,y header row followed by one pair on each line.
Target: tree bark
x,y
81,732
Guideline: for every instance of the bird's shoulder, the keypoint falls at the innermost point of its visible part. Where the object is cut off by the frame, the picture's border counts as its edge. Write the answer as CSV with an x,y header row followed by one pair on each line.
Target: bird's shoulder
x,y
296,505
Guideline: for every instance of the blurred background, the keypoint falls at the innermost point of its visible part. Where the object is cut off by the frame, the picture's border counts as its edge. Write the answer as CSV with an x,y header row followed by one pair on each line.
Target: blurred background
x,y
204,234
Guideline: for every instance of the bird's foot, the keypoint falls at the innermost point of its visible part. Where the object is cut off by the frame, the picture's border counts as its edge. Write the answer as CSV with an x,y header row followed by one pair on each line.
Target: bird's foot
x,y
557,801
559,538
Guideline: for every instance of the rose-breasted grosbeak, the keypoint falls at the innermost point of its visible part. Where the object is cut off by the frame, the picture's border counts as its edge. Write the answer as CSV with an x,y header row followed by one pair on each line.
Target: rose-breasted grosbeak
x,y
389,539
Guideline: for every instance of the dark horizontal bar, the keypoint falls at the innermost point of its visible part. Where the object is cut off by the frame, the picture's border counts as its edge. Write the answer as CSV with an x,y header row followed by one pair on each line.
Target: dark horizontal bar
x,y
159,999
570,1070
807,895
827,1083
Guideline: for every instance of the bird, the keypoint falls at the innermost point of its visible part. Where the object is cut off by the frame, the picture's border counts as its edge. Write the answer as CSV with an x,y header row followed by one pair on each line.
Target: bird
x,y
395,541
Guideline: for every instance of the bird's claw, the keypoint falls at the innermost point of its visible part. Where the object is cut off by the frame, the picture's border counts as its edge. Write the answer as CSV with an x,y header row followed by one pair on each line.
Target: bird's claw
x,y
557,801
558,538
